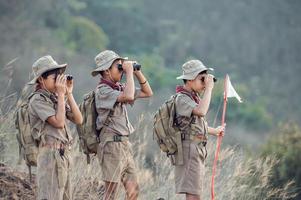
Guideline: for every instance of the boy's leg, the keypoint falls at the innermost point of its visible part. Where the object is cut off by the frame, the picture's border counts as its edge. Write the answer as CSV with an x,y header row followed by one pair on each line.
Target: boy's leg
x,y
51,174
189,177
129,178
68,186
112,165
132,190
110,191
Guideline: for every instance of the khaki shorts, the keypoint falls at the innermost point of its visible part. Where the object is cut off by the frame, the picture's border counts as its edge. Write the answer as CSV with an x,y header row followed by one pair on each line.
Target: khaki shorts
x,y
117,162
53,174
189,177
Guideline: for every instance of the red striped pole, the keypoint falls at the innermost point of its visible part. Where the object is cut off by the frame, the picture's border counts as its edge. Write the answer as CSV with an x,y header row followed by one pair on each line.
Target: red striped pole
x,y
219,139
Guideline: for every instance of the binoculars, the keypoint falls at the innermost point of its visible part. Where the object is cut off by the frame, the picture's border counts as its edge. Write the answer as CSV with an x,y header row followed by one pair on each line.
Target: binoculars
x,y
214,79
136,67
69,77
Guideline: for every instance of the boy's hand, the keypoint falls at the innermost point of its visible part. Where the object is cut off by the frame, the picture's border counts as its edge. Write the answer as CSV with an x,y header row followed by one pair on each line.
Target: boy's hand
x,y
137,72
220,130
128,66
209,83
60,84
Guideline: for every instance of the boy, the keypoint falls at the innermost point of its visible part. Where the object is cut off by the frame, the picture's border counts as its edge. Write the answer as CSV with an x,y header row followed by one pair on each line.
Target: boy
x,y
48,112
114,153
190,118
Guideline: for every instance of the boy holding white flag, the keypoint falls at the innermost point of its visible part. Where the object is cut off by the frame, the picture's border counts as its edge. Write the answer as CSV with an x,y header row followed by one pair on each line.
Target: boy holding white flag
x,y
191,110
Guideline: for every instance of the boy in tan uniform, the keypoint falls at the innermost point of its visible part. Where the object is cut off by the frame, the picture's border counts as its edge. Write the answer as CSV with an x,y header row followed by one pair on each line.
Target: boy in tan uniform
x,y
190,118
114,153
48,112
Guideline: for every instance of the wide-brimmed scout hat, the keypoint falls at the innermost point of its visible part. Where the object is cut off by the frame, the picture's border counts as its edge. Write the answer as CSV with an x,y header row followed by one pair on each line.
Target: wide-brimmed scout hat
x,y
42,65
192,68
104,60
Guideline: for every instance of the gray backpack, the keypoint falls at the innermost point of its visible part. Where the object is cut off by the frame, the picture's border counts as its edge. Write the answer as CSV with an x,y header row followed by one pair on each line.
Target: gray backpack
x,y
28,146
87,133
166,133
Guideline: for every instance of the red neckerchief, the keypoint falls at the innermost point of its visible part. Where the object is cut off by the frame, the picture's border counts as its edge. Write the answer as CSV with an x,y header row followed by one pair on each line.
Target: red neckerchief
x,y
193,95
114,86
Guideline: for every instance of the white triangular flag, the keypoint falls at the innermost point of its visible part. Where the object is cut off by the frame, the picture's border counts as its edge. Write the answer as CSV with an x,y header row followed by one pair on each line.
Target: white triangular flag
x,y
231,91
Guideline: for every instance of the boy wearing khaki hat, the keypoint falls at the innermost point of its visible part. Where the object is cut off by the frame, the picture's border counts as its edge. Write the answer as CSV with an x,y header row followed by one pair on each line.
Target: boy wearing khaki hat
x,y
111,97
190,118
48,113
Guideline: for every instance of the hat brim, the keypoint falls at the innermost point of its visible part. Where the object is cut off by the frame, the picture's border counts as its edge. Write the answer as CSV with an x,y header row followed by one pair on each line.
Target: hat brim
x,y
194,74
106,66
34,80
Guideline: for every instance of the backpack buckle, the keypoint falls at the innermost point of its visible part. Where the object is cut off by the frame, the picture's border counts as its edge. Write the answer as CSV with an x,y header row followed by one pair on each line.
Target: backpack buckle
x,y
117,138
61,151
182,136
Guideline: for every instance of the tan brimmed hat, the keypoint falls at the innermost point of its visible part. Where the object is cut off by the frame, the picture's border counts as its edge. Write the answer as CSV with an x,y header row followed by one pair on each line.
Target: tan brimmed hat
x,y
192,68
104,60
42,65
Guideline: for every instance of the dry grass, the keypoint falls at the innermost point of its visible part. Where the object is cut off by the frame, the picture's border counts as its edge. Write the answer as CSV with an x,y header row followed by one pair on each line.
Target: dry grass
x,y
238,176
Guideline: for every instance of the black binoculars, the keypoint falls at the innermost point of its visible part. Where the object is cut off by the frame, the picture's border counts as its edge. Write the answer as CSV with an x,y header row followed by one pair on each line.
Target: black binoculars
x,y
136,67
214,79
69,77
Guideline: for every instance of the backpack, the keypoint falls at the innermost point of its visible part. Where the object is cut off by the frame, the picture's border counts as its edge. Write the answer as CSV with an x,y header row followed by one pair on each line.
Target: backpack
x,y
28,146
166,132
87,133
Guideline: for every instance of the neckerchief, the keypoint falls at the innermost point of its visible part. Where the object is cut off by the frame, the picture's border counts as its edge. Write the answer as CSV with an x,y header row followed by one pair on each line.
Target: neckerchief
x,y
193,95
114,86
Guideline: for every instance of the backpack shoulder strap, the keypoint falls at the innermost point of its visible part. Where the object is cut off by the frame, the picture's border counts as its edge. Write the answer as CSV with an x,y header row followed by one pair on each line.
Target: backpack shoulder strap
x,y
105,124
186,93
44,94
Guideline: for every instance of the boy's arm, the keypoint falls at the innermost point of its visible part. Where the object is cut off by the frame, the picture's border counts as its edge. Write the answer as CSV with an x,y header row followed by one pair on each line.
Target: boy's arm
x,y
146,90
58,120
202,108
218,131
128,94
76,116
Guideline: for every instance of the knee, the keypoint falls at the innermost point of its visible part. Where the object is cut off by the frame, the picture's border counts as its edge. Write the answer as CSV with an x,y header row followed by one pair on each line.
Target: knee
x,y
133,193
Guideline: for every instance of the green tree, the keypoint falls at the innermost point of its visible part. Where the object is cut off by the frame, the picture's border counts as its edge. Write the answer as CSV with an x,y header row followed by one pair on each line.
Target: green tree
x,y
83,35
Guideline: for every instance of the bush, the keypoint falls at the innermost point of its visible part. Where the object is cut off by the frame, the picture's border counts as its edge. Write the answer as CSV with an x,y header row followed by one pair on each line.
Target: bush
x,y
286,146
83,35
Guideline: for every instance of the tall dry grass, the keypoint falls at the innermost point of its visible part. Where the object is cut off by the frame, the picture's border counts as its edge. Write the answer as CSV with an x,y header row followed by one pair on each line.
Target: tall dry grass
x,y
239,177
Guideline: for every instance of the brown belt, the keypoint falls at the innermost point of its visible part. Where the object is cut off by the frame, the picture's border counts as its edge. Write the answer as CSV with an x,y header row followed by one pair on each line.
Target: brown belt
x,y
200,138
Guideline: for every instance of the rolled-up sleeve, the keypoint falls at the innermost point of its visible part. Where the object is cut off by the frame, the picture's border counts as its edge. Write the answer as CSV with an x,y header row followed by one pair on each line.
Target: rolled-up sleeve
x,y
184,105
43,109
106,97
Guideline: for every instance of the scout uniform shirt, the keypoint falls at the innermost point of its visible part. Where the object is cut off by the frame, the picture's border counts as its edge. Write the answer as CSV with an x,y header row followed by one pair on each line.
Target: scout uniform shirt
x,y
107,106
42,106
186,121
